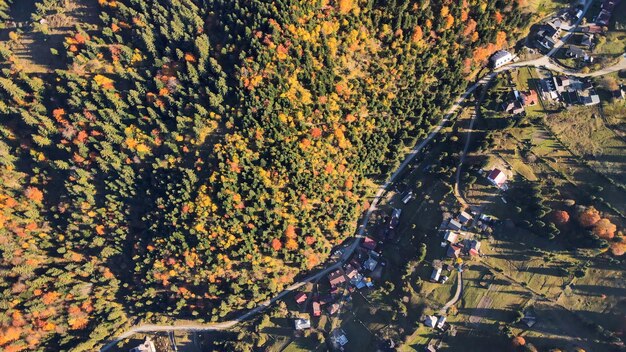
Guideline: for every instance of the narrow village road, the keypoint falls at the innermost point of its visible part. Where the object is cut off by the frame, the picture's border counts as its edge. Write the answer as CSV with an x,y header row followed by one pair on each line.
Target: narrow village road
x,y
457,295
545,62
484,81
148,328
572,29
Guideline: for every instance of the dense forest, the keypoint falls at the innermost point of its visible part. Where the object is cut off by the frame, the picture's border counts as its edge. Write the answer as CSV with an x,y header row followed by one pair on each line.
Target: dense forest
x,y
196,155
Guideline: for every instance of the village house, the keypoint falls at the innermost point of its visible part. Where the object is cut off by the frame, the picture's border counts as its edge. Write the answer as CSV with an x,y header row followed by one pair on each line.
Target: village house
x,y
440,322
451,236
561,83
146,346
474,248
556,25
454,251
530,98
370,264
336,278
317,309
338,338
513,107
302,324
548,89
549,33
454,225
500,58
497,178
588,97
605,14
355,263
368,243
300,297
587,41
395,218
333,308
464,217
618,93
592,28
579,54
434,277
351,271
430,348
430,321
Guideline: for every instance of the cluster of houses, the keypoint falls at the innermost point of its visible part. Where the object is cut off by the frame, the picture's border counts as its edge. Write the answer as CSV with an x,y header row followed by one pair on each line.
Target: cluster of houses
x,y
605,14
569,90
579,55
355,274
461,242
517,101
549,33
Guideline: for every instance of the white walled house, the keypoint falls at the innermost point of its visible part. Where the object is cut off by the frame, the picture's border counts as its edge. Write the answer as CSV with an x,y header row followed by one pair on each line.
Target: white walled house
x,y
501,57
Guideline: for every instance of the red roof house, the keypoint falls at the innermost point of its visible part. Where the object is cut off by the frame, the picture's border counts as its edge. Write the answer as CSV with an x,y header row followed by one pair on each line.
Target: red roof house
x,y
530,98
497,177
336,278
317,310
300,297
474,248
454,251
369,243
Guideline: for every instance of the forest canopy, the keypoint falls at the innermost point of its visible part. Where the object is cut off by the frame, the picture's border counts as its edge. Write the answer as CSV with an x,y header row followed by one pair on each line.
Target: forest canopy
x,y
195,155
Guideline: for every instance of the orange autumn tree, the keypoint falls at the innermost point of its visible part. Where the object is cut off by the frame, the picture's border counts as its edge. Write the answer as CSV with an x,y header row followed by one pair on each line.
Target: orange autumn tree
x,y
34,194
276,244
9,334
588,217
497,17
618,248
345,6
417,34
518,341
605,229
560,217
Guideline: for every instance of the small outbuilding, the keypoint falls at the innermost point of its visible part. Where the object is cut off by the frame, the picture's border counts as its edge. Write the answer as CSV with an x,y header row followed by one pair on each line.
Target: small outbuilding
x,y
441,322
302,324
434,277
300,297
